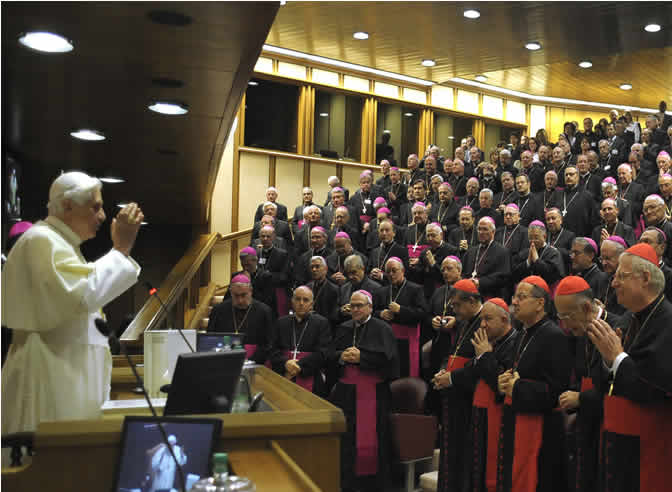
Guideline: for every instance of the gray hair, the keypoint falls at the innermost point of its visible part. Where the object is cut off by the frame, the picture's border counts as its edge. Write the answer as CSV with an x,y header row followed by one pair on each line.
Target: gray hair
x,y
505,152
75,186
487,191
353,261
307,189
640,265
333,179
603,140
271,204
309,208
320,259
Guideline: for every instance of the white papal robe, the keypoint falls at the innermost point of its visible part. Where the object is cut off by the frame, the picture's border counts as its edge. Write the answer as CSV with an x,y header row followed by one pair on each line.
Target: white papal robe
x,y
59,366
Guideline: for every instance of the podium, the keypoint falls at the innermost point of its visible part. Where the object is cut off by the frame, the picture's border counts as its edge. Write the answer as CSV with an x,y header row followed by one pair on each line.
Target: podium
x,y
294,447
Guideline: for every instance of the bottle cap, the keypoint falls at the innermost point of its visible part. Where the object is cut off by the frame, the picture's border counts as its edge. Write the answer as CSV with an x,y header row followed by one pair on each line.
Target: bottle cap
x,y
220,462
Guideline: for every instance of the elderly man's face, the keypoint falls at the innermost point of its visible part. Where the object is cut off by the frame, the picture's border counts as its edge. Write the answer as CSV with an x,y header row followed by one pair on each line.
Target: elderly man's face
x,y
493,321
395,177
474,155
582,164
537,237
486,231
580,259
654,211
342,246
412,163
665,185
459,153
341,217
434,236
624,175
639,149
317,240
302,301
507,182
451,271
267,220
241,296
337,198
445,194
651,238
551,181
627,284
419,215
266,236
553,221
663,163
448,166
418,192
472,187
386,232
314,216
395,272
385,167
307,196
558,154
511,216
609,212
86,219
271,195
365,184
571,176
355,274
466,220
318,270
485,200
522,185
603,147
430,165
360,308
526,159
609,256
544,153
270,210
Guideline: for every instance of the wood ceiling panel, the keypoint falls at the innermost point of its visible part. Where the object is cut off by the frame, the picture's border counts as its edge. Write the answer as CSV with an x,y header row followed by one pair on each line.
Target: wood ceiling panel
x,y
106,83
403,33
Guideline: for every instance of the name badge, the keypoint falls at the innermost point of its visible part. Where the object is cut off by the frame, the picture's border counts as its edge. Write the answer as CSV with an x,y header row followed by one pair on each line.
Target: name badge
x,y
593,144
614,152
262,261
367,201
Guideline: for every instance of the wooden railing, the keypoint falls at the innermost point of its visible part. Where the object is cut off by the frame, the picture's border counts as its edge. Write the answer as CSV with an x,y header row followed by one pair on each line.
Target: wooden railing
x,y
181,292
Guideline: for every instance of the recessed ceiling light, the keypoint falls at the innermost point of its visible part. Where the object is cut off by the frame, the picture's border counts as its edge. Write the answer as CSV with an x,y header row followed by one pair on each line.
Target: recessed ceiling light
x,y
652,28
408,114
585,64
86,134
167,107
283,2
626,87
533,46
253,82
144,223
427,62
451,138
481,78
46,42
112,179
472,14
324,115
361,35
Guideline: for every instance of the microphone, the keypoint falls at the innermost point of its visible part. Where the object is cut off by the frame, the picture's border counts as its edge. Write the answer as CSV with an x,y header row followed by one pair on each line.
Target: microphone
x,y
153,293
104,328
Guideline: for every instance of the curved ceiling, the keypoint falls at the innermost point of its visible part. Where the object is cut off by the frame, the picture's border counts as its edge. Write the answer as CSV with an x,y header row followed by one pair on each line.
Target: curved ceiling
x,y
106,83
402,34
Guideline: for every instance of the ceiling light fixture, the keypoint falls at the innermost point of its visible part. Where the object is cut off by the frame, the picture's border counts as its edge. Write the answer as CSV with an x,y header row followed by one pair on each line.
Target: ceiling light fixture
x,y
408,114
427,62
472,14
652,28
283,2
88,135
451,138
533,46
112,179
45,42
585,64
324,115
481,78
168,107
253,82
626,86
340,64
360,35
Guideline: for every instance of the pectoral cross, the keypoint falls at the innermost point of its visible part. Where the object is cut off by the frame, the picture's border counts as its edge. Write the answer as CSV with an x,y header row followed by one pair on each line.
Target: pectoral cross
x,y
473,274
415,247
564,212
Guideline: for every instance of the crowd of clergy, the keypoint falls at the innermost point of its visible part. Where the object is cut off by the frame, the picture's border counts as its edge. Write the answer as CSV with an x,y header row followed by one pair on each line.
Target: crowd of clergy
x,y
530,290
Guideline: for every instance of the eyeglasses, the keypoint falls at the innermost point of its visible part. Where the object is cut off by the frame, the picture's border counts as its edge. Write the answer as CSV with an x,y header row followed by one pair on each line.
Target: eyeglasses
x,y
574,253
357,305
621,276
563,317
521,297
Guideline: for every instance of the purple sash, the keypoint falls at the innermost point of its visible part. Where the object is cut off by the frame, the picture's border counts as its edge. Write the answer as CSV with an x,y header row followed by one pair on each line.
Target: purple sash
x,y
412,334
306,382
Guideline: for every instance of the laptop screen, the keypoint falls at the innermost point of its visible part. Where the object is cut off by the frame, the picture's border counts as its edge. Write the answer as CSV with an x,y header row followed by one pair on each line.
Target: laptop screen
x,y
214,341
146,463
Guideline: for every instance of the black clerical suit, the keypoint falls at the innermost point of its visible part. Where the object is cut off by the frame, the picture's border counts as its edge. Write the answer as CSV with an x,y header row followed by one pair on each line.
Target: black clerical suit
x,y
562,241
427,275
350,230
594,277
255,323
400,191
633,195
298,215
310,339
549,265
529,423
336,262
491,265
301,273
281,215
406,323
325,299
536,174
530,208
578,210
281,230
619,229
358,383
302,239
592,184
379,256
272,278
513,238
492,213
446,215
347,289
458,234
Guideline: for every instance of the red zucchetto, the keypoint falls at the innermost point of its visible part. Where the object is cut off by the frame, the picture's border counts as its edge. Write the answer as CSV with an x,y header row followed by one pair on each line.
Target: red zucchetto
x,y
571,285
645,251
498,301
538,281
466,285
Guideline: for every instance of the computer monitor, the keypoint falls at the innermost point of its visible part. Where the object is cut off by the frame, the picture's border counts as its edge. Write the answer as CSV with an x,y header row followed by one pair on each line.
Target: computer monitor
x,y
145,463
204,382
214,341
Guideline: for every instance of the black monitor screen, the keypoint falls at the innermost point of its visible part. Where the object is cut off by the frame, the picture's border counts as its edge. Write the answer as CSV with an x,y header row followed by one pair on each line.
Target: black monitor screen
x,y
214,342
204,382
146,463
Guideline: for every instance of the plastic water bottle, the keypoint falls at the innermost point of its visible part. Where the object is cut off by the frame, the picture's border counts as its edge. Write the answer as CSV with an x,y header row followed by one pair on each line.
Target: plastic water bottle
x,y
221,481
227,343
241,398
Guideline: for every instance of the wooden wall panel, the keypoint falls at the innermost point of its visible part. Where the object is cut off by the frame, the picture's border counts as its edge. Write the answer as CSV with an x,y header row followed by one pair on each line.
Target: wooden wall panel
x,y
289,182
351,178
222,197
253,184
220,273
319,173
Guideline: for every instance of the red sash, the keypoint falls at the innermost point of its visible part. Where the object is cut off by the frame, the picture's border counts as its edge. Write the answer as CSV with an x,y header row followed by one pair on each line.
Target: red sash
x,y
653,425
415,253
526,446
365,218
587,384
250,349
282,301
412,334
484,397
456,362
306,382
365,383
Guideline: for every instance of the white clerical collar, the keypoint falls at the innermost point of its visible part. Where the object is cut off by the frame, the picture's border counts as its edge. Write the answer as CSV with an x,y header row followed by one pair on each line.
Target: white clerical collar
x,y
65,231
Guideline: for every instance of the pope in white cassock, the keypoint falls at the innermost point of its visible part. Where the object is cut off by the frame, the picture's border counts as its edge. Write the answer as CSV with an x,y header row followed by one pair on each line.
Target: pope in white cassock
x,y
59,366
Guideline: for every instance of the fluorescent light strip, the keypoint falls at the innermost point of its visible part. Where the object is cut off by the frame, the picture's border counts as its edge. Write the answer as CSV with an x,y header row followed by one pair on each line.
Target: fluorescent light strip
x,y
350,66
549,99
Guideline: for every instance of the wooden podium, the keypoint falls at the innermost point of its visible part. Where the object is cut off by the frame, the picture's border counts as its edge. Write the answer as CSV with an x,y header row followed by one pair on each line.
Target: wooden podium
x,y
295,447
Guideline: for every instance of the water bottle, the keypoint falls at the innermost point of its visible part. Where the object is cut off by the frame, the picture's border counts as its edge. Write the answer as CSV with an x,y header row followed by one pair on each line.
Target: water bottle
x,y
227,343
221,481
241,398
